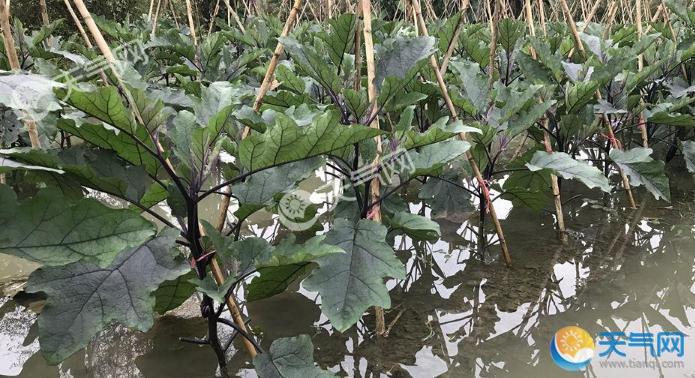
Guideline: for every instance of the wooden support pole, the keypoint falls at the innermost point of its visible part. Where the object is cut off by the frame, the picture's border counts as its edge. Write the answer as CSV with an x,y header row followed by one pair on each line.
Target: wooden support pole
x,y
191,24
640,65
546,139
375,188
78,24
471,160
218,275
235,15
270,73
454,39
44,12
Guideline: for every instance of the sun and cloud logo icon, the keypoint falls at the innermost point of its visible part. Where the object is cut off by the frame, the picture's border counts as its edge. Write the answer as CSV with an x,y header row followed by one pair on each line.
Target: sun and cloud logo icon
x,y
572,348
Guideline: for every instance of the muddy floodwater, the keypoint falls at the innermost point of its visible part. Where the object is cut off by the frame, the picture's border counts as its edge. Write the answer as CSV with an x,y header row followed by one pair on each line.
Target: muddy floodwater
x,y
459,313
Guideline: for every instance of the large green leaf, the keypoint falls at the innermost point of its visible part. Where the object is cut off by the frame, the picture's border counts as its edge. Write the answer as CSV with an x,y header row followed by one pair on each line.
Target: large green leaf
x,y
579,94
432,158
563,165
529,189
396,57
52,231
643,170
351,282
509,33
288,252
172,293
312,63
447,197
290,357
416,226
84,298
96,169
274,280
437,132
105,104
286,142
341,38
473,84
127,146
672,119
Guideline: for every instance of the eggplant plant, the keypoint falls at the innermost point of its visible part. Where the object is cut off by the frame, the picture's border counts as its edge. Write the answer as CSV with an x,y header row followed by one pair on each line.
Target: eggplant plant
x,y
111,206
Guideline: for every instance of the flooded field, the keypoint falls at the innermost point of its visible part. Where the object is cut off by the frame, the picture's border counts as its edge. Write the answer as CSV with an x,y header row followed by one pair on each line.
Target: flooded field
x,y
459,312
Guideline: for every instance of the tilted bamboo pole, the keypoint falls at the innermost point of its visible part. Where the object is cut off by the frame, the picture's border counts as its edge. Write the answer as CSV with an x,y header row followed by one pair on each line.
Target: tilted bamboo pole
x,y
78,24
173,14
546,138
191,24
44,12
156,18
235,15
111,60
471,160
541,11
13,59
270,73
214,16
454,39
375,187
611,136
149,13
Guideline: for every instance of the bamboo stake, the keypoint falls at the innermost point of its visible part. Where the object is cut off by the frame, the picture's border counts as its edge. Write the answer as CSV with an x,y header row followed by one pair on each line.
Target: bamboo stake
x,y
454,39
235,16
464,137
541,11
149,14
358,51
375,187
13,59
44,12
110,59
191,24
640,65
587,20
494,17
78,24
611,136
156,18
279,48
546,139
173,14
214,16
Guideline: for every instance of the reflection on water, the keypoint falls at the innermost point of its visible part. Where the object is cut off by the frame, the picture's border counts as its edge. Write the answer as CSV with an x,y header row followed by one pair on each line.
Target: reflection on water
x,y
458,313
